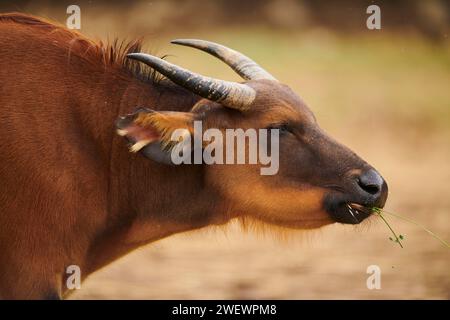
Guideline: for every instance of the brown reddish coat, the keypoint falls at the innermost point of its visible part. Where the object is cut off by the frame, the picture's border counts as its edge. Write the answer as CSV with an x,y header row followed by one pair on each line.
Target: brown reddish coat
x,y
68,186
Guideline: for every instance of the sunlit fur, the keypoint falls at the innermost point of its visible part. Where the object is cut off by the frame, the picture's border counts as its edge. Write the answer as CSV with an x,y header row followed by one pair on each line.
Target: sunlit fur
x,y
110,54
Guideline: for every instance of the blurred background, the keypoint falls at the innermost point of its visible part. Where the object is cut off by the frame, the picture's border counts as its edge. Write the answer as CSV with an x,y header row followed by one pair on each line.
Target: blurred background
x,y
384,93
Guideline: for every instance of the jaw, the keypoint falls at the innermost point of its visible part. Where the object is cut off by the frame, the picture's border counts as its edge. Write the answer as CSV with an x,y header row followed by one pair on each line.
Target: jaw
x,y
284,207
282,226
341,208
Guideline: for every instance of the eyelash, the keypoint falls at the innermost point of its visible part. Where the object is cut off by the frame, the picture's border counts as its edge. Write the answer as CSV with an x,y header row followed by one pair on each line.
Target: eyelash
x,y
284,128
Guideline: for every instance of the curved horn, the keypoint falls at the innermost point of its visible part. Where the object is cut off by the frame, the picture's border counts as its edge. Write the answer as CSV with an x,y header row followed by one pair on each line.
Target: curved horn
x,y
230,94
243,65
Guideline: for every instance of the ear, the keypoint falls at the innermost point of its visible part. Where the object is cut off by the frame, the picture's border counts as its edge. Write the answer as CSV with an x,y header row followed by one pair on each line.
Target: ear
x,y
149,132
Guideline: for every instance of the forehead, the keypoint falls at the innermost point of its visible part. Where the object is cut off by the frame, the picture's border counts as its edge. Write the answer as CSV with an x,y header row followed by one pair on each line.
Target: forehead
x,y
274,103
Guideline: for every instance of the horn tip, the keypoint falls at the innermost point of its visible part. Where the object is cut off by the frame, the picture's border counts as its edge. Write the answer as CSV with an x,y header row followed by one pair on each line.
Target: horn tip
x,y
180,41
187,41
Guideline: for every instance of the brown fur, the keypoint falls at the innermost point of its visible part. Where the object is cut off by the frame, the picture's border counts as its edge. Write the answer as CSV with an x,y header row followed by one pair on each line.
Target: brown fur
x,y
110,54
64,180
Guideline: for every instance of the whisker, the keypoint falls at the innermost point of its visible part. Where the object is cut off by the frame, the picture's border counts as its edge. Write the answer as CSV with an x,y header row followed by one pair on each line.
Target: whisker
x,y
351,212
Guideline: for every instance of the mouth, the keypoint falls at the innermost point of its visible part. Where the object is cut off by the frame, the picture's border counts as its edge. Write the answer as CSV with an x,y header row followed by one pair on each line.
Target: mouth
x,y
350,209
358,212
350,212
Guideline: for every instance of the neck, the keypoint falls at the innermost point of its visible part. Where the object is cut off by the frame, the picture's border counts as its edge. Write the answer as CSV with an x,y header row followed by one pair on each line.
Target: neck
x,y
148,201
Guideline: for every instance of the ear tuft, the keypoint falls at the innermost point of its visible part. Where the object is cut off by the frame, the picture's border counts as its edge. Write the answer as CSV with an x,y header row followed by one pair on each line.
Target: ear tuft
x,y
122,132
165,123
147,128
139,145
137,135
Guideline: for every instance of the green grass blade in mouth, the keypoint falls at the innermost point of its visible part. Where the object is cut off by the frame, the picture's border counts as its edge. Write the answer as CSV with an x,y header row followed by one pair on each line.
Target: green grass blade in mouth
x,y
445,243
380,211
398,239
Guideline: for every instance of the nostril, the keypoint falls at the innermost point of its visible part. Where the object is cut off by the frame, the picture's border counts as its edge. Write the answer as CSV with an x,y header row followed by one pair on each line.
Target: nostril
x,y
369,188
371,182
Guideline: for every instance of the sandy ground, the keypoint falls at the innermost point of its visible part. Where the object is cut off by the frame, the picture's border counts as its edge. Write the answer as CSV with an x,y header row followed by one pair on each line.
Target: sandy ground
x,y
327,264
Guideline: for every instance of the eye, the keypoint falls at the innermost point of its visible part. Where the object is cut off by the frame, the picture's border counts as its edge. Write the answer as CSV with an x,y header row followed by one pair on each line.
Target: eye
x,y
282,127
